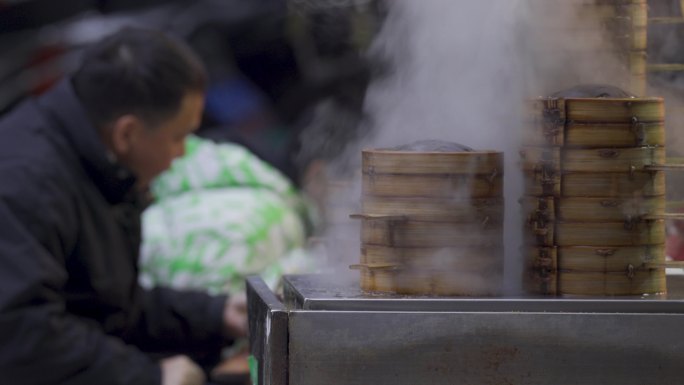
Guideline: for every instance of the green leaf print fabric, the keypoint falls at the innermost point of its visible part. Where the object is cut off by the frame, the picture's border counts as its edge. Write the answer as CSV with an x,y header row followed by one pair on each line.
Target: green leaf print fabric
x,y
221,214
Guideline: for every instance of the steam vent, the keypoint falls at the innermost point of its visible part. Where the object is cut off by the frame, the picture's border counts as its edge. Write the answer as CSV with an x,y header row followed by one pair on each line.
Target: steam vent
x,y
595,194
432,220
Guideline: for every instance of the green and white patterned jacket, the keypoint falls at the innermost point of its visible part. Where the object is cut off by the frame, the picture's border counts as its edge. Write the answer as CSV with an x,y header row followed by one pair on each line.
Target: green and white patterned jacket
x,y
221,214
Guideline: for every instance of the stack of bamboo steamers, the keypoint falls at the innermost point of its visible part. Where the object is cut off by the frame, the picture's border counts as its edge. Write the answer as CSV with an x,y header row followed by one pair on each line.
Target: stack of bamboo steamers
x,y
595,194
432,220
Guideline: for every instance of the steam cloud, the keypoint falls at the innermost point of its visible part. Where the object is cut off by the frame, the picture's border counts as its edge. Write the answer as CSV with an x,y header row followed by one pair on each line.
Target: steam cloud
x,y
461,71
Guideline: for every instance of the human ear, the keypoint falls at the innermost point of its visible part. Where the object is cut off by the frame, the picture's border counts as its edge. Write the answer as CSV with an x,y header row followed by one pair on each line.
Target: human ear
x,y
125,132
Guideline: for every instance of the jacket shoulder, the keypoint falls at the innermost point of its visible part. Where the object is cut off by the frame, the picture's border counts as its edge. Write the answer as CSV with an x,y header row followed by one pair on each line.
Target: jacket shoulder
x,y
29,145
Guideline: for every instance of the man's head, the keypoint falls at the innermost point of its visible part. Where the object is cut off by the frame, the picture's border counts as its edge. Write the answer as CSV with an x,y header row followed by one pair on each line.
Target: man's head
x,y
144,91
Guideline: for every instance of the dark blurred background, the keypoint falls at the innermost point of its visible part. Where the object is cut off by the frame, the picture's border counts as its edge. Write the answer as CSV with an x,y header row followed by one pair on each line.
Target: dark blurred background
x,y
277,67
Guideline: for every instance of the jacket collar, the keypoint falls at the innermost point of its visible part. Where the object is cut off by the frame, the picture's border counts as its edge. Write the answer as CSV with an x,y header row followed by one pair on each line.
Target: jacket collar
x,y
114,181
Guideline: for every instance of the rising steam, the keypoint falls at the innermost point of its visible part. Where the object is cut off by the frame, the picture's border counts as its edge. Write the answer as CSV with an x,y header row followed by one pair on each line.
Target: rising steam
x,y
461,70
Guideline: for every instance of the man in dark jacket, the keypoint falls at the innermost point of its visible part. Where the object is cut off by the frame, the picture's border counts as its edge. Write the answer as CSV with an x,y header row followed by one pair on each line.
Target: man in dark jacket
x,y
74,167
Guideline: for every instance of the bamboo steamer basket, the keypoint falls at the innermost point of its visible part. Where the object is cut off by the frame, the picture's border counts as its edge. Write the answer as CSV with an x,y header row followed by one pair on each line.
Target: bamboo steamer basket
x,y
541,269
610,233
462,259
595,196
608,160
605,185
594,270
572,209
438,186
431,222
471,163
607,123
609,259
429,283
437,210
408,233
618,283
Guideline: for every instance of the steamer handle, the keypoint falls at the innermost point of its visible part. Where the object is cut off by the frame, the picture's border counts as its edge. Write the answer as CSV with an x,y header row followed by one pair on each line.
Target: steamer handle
x,y
609,153
664,216
374,217
665,167
361,266
666,264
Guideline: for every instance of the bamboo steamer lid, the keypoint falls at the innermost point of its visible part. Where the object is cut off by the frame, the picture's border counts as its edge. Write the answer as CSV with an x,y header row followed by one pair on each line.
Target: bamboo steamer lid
x,y
432,174
628,122
382,162
598,121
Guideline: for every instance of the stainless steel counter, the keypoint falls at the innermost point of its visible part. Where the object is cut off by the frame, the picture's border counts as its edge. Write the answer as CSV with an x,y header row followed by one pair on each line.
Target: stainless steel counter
x,y
342,292
329,332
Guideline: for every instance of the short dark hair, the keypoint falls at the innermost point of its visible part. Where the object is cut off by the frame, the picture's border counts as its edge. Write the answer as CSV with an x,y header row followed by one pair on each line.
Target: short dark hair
x,y
137,71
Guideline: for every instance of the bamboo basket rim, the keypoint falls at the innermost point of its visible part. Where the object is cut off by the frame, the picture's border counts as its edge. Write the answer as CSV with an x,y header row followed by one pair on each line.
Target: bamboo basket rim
x,y
638,219
614,100
424,218
421,153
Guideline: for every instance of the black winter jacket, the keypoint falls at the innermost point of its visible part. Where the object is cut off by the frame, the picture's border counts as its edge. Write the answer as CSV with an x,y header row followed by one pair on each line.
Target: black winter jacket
x,y
71,310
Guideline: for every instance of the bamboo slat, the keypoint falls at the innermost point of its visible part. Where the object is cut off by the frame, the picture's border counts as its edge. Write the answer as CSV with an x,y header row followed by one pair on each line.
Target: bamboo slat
x,y
612,160
609,259
541,159
557,111
451,283
638,63
422,209
477,259
623,283
595,184
677,206
610,233
609,160
427,163
540,218
572,209
542,183
666,20
429,234
646,184
591,135
541,270
665,67
609,110
609,210
432,222
433,186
